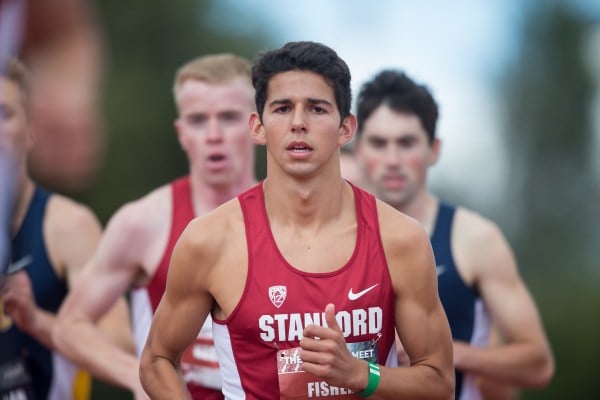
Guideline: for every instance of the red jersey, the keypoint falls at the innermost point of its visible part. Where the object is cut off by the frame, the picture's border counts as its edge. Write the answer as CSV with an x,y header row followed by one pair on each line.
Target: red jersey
x,y
257,344
199,363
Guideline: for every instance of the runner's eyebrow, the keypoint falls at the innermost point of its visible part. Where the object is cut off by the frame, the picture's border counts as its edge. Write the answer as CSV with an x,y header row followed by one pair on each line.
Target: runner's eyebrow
x,y
310,100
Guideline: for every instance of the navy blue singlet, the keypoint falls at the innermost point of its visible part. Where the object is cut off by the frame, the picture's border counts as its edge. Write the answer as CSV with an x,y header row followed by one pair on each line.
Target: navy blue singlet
x,y
19,350
464,308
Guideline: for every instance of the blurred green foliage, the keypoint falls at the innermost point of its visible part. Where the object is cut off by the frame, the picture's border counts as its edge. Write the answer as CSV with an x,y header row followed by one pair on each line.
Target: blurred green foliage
x,y
548,92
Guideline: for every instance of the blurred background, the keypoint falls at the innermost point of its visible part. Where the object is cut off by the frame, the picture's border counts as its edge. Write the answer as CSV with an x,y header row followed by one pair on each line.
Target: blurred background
x,y
518,86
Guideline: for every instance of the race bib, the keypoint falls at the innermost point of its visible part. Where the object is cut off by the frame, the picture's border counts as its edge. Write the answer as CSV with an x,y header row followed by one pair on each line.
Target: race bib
x,y
295,383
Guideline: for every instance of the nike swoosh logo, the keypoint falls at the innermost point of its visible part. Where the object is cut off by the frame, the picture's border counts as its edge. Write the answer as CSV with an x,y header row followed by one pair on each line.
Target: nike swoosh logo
x,y
19,265
440,269
354,296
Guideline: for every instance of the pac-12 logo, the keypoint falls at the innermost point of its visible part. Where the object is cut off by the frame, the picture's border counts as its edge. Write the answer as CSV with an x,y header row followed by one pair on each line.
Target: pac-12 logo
x,y
277,295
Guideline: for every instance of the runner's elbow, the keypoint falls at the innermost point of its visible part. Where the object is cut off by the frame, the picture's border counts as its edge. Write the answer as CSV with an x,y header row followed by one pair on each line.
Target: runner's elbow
x,y
545,373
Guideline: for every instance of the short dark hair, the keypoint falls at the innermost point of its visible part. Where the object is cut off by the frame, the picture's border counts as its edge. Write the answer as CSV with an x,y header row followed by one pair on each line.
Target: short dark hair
x,y
399,92
303,56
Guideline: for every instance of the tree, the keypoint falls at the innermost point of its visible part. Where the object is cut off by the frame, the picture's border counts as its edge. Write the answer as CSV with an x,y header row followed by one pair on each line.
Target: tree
x,y
548,93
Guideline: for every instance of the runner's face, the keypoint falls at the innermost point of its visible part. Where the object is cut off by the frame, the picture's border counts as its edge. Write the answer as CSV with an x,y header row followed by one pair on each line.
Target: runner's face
x,y
301,125
394,153
213,129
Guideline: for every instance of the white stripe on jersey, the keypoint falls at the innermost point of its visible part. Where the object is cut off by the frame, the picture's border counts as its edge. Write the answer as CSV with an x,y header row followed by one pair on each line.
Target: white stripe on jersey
x,y
141,318
480,337
232,388
63,378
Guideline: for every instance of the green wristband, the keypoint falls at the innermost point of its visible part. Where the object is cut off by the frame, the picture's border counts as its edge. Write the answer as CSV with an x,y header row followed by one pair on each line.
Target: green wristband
x,y
374,377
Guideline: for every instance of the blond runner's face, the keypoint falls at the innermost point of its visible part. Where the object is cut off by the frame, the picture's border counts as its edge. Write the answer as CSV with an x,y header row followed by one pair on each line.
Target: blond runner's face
x,y
213,129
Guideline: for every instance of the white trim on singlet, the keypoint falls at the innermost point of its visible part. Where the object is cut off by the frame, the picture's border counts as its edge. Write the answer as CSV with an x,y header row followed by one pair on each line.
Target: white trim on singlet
x,y
480,337
232,388
63,378
392,357
141,317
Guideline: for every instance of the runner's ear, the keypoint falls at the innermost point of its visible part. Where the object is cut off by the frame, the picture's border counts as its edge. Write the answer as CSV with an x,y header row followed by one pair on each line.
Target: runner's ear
x,y
346,130
257,129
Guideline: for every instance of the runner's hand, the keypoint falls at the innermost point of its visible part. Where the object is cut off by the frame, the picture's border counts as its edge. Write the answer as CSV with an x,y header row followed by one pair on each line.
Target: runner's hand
x,y
17,295
325,355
